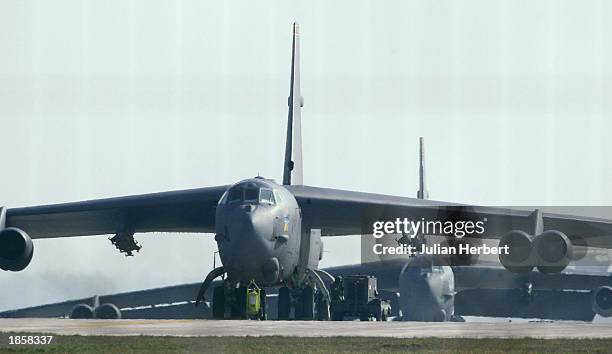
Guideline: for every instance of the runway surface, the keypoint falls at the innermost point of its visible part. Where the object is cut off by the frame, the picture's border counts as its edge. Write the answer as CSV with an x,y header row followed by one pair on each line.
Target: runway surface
x,y
192,328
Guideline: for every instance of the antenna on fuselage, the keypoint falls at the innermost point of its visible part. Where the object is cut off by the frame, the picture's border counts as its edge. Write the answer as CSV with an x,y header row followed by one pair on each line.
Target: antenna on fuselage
x,y
422,193
292,170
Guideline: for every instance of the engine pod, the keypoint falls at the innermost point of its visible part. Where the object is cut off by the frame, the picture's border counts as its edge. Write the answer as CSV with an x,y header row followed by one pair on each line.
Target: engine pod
x,y
16,249
519,258
107,311
82,311
602,301
553,251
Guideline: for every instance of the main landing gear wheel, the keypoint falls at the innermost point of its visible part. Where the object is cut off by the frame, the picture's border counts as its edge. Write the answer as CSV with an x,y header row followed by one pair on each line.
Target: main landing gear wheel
x,y
385,315
284,303
263,312
322,308
307,304
239,306
379,315
218,303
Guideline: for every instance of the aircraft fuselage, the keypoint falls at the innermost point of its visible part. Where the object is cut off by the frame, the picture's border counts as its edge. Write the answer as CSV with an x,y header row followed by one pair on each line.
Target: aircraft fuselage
x,y
258,232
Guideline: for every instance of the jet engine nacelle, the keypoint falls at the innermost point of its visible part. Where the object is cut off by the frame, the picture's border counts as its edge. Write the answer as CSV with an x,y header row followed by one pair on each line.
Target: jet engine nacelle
x,y
550,251
82,311
16,249
520,248
602,301
107,311
553,251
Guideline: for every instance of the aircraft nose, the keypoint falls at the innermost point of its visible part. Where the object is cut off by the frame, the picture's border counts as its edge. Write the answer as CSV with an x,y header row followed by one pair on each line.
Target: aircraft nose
x,y
418,299
245,242
249,227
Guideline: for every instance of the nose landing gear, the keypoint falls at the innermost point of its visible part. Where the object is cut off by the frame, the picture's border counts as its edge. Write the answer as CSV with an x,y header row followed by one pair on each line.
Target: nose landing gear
x,y
234,300
243,302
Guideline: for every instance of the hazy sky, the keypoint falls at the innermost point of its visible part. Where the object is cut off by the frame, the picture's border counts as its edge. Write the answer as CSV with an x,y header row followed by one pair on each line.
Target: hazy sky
x,y
109,98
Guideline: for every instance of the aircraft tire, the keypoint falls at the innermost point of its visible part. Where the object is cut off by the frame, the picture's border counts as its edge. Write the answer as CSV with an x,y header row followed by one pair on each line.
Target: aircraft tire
x,y
284,303
377,310
322,308
263,313
239,307
218,303
307,304
379,315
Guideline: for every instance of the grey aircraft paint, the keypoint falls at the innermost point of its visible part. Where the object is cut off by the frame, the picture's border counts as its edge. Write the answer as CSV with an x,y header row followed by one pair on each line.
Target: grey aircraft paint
x,y
258,240
271,233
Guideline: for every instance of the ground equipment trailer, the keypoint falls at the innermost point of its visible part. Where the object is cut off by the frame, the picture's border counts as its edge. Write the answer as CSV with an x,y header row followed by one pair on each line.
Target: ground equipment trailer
x,y
357,295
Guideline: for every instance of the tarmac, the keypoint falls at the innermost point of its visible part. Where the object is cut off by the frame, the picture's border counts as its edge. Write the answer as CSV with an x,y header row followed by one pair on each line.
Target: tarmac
x,y
195,328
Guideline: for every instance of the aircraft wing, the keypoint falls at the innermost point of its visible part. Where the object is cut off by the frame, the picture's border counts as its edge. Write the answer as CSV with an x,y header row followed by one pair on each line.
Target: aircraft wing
x,y
495,292
338,212
170,302
491,277
190,210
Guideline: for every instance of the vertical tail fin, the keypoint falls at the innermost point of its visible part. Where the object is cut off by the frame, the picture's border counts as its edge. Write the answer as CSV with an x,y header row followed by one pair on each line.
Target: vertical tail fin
x,y
422,193
292,171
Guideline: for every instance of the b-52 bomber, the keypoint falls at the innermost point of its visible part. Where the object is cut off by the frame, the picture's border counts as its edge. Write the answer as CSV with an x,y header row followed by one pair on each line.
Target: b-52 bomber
x,y
270,234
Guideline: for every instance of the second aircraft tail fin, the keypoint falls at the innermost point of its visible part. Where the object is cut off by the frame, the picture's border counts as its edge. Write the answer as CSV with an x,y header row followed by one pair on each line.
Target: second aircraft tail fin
x,y
422,193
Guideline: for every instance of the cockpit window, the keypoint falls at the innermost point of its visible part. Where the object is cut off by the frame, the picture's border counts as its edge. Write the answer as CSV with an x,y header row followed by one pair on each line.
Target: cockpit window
x,y
251,194
277,196
266,196
234,195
